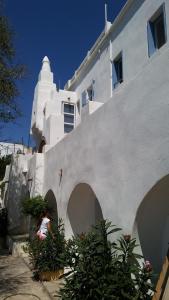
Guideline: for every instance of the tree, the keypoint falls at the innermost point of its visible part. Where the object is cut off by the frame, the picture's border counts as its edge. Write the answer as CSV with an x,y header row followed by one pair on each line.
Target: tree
x,y
10,73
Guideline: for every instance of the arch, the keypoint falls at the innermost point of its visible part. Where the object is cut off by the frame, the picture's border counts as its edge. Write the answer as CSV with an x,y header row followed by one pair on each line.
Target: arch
x,y
41,146
52,205
152,223
83,209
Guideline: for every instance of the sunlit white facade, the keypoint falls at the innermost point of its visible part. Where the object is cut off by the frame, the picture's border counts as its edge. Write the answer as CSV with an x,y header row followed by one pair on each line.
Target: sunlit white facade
x,y
102,142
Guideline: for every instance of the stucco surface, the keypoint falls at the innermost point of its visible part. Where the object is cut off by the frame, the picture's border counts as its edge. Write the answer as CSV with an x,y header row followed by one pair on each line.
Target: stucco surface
x,y
121,150
119,147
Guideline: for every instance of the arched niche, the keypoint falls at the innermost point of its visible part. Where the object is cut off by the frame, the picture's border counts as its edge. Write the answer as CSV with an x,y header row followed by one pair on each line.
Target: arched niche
x,y
152,224
52,205
83,209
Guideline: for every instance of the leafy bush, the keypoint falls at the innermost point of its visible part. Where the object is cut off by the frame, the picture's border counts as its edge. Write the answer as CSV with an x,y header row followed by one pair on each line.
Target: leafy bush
x,y
4,161
2,187
34,206
48,254
104,270
3,222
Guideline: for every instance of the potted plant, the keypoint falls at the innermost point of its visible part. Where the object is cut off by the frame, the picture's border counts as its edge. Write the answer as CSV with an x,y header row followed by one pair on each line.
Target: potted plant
x,y
47,256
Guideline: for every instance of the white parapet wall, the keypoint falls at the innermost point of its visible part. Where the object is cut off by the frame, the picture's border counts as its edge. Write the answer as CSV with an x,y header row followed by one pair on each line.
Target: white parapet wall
x,y
17,189
35,176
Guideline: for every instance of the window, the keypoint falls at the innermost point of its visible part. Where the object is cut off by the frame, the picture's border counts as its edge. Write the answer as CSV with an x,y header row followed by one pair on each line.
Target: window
x,y
87,95
117,71
90,93
156,31
69,115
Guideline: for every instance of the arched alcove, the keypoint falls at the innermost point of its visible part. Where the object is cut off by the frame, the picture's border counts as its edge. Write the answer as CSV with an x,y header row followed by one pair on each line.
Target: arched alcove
x,y
83,209
52,205
152,224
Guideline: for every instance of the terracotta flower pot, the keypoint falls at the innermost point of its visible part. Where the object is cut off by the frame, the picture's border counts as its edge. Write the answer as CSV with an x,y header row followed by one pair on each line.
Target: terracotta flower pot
x,y
51,275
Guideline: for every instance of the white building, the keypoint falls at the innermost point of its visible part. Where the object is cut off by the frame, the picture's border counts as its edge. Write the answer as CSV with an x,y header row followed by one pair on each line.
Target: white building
x,y
10,148
5,150
103,141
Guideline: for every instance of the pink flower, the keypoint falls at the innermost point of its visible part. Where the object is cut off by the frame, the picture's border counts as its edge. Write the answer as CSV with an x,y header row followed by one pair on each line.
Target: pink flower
x,y
127,237
148,266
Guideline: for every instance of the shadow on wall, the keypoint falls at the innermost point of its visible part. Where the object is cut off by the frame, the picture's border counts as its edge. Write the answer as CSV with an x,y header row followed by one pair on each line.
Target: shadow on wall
x,y
152,223
41,146
52,205
83,209
16,192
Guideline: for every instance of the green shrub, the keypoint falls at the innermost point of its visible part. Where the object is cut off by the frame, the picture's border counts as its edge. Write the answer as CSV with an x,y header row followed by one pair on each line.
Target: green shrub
x,y
33,206
102,270
4,161
3,222
2,187
48,254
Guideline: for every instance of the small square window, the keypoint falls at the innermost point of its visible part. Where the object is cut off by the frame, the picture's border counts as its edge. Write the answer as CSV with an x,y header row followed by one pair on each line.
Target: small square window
x,y
68,108
156,31
117,71
68,118
68,128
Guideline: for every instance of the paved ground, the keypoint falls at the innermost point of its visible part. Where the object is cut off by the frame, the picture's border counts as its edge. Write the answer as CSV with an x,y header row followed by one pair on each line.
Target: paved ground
x,y
16,281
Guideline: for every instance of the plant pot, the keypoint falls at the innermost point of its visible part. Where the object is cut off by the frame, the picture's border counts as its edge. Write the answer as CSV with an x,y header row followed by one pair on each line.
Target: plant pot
x,y
50,275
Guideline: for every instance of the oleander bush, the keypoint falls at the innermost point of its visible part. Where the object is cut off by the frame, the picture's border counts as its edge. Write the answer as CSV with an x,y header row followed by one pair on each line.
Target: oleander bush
x,y
105,270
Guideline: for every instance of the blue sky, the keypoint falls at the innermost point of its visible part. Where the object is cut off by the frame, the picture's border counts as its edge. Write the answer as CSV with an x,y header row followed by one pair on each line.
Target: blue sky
x,y
64,31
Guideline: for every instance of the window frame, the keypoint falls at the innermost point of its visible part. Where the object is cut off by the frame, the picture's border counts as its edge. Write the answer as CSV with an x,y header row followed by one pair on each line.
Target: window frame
x,y
116,80
90,92
69,114
152,37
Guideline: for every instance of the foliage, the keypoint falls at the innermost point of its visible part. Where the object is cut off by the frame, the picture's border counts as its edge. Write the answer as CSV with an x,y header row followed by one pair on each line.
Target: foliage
x,y
48,254
33,206
3,222
104,270
2,187
4,161
10,72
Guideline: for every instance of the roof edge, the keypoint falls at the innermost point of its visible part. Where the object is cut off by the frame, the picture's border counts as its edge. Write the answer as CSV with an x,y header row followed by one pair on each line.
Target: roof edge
x,y
99,42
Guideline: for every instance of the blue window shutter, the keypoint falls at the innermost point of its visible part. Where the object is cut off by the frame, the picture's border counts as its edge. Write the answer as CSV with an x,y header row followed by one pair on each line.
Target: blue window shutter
x,y
114,75
151,39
